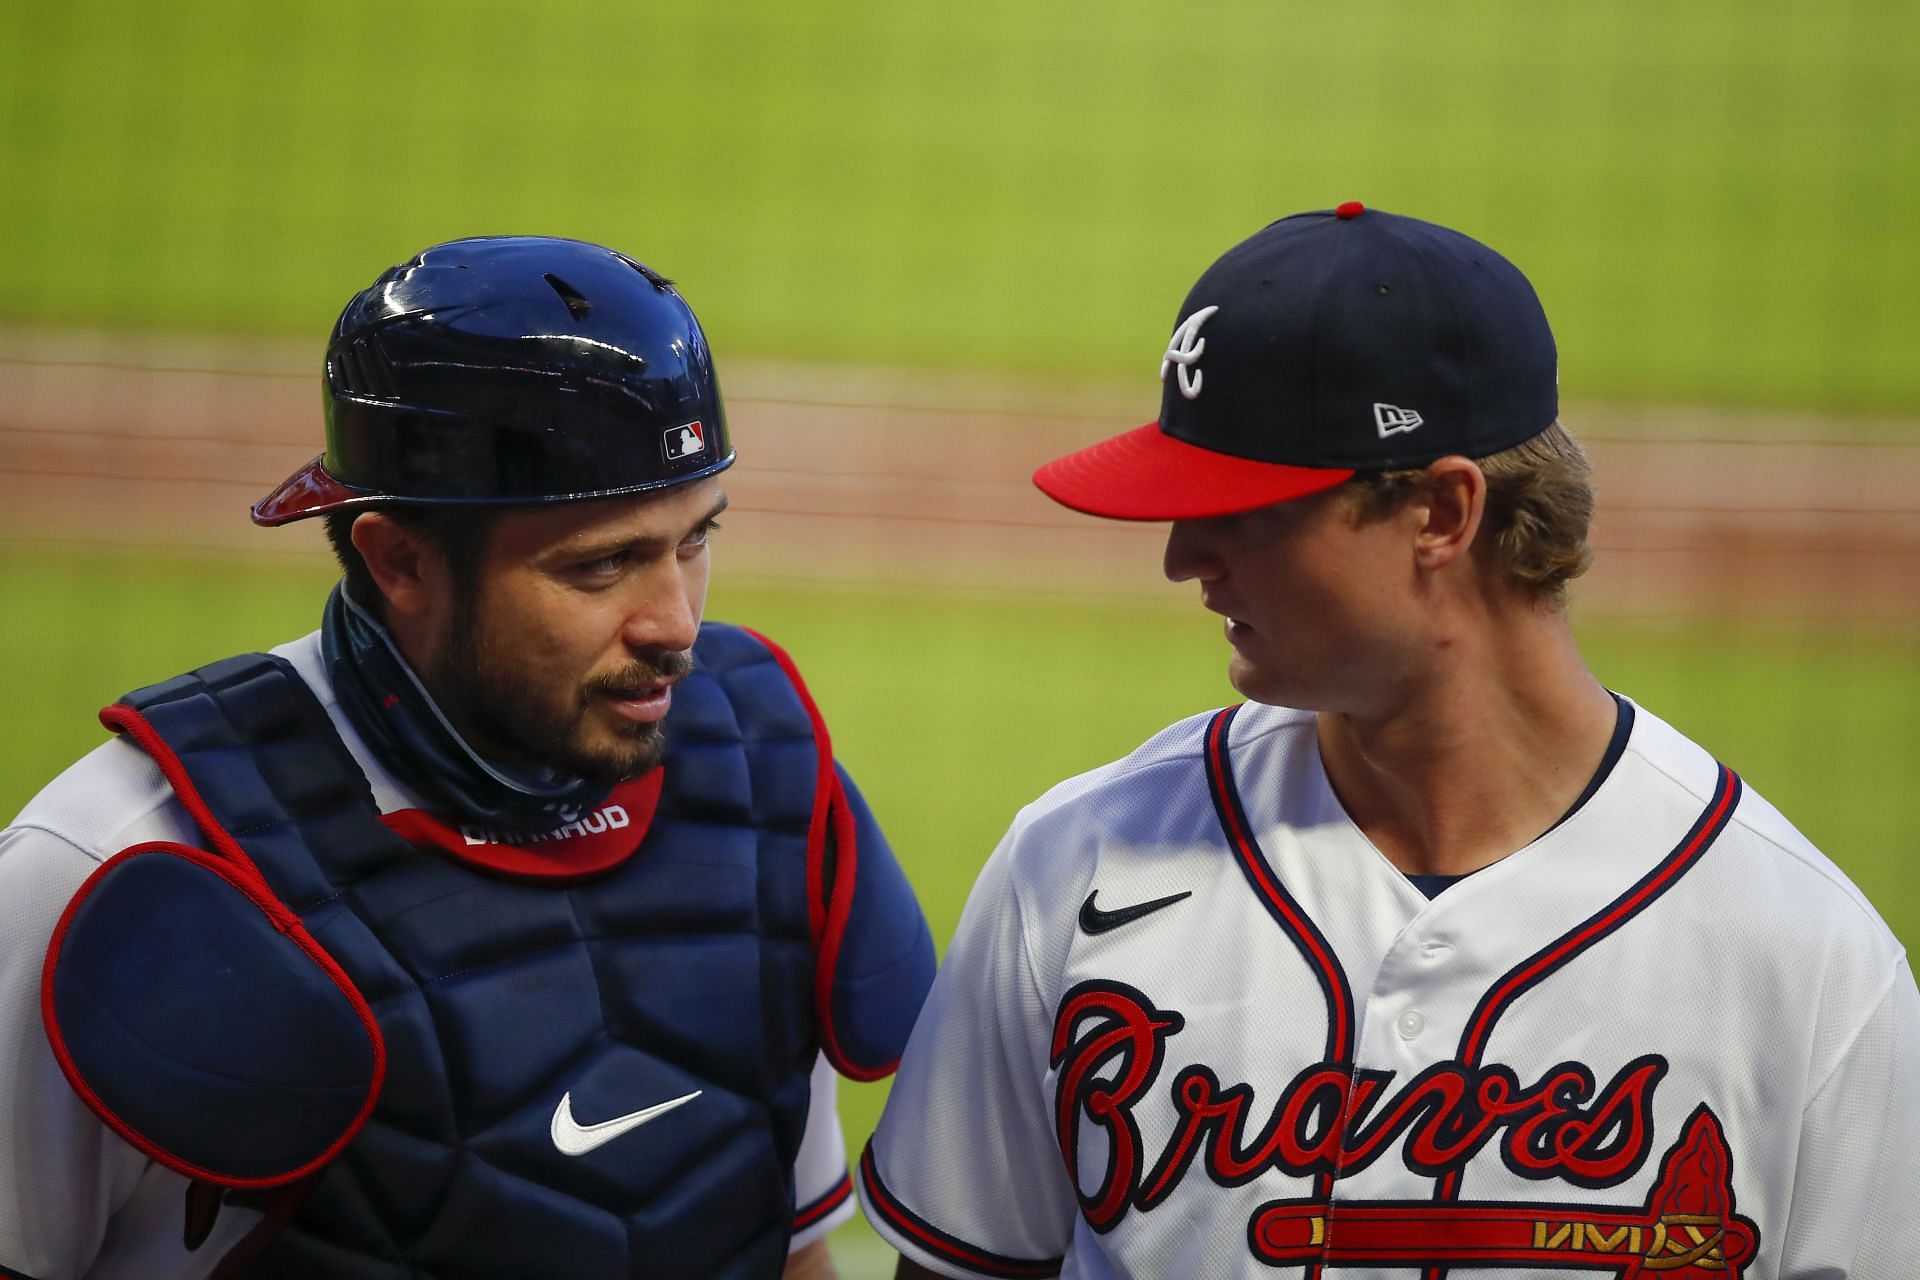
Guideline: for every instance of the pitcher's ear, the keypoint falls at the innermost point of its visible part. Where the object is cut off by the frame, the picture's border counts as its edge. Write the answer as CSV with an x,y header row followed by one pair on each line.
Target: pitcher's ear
x,y
1452,502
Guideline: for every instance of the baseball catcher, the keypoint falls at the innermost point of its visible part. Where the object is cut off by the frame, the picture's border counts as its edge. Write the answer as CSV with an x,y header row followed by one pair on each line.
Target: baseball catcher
x,y
513,923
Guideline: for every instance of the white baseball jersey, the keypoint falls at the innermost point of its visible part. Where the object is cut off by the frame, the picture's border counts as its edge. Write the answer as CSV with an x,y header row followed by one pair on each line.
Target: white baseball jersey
x,y
75,1199
1194,1024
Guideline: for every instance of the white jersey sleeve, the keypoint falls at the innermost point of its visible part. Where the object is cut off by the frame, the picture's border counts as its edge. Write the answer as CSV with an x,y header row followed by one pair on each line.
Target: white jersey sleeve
x,y
822,1191
1857,1181
61,1172
963,1175
75,1199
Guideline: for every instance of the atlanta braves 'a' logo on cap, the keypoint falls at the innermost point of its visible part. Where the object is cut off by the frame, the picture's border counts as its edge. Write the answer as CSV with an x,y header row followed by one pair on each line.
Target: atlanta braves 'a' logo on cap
x,y
1185,349
682,442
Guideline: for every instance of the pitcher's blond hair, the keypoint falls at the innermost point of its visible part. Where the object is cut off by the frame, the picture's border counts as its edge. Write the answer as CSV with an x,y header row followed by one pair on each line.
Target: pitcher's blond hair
x,y
1539,504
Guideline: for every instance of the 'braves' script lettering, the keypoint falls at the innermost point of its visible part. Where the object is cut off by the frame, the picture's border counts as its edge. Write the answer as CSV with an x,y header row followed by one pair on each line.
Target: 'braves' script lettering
x,y
1109,1044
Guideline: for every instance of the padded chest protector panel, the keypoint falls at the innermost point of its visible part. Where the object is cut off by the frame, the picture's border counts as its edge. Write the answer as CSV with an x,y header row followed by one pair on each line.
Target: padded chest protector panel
x,y
518,1012
196,1016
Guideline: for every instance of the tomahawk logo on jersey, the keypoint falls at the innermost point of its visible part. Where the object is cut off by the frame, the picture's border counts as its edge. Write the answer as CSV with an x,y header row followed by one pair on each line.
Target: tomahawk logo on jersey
x,y
1296,1064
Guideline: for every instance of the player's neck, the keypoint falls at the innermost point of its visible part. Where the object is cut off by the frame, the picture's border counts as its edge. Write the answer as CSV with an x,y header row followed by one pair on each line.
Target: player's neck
x,y
1492,747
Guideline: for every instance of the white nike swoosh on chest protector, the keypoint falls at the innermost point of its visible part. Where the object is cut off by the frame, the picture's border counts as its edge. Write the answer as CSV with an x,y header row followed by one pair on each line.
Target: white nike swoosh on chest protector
x,y
576,1139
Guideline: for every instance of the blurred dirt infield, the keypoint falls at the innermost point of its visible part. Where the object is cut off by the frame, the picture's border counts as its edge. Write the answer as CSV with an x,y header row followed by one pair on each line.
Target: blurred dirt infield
x,y
921,479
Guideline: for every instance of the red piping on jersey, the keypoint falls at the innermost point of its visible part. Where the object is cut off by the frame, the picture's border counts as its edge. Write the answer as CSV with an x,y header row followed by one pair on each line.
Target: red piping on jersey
x,y
1314,946
949,1248
1685,855
1658,881
818,1208
829,907
247,879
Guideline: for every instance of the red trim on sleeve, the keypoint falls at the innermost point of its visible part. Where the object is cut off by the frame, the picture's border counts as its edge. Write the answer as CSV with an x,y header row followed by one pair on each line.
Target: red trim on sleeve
x,y
243,876
829,907
816,1209
948,1248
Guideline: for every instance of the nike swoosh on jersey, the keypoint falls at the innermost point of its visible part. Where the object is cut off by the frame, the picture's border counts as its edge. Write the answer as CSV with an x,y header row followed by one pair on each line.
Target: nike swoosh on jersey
x,y
1094,920
576,1139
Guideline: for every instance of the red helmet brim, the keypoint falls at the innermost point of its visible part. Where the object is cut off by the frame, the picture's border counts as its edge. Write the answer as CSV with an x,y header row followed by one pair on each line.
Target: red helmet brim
x,y
310,491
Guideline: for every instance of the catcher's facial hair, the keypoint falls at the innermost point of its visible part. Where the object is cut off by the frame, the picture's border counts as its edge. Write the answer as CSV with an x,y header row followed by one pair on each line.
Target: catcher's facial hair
x,y
1687,1230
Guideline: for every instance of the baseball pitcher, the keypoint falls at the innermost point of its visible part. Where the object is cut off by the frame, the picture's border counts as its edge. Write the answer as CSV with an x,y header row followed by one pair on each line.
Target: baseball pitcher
x,y
1434,958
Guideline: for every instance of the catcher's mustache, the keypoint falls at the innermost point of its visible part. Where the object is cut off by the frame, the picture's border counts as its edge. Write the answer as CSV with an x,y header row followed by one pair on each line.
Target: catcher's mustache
x,y
662,669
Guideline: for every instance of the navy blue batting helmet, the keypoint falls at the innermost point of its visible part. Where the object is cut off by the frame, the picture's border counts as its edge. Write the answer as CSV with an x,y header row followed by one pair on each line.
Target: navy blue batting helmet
x,y
511,370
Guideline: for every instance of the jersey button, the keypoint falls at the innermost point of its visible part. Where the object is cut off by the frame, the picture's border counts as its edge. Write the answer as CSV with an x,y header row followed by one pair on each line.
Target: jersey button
x,y
1410,1023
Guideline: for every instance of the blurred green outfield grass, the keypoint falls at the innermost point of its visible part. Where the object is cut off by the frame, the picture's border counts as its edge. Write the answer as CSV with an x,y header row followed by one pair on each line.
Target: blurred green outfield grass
x,y
953,709
1716,199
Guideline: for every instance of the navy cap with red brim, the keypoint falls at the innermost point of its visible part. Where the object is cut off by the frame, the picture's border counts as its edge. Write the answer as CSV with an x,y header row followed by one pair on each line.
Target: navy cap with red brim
x,y
1145,474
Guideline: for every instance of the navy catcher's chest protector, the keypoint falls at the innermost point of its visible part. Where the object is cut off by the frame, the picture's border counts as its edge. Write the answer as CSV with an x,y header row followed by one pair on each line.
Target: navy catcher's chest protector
x,y
598,1076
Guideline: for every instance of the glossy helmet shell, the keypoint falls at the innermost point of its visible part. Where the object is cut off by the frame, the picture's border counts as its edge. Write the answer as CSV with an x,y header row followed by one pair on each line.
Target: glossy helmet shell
x,y
511,370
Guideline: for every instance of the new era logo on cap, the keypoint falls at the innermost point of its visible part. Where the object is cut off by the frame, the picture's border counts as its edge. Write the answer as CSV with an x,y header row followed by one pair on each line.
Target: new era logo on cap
x,y
1393,420
682,442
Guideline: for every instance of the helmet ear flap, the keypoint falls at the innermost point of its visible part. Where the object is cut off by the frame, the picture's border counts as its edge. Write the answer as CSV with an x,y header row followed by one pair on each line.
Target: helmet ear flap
x,y
456,379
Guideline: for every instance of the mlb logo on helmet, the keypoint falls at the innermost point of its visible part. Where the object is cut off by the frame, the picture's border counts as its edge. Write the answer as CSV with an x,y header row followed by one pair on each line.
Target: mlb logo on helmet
x,y
682,442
